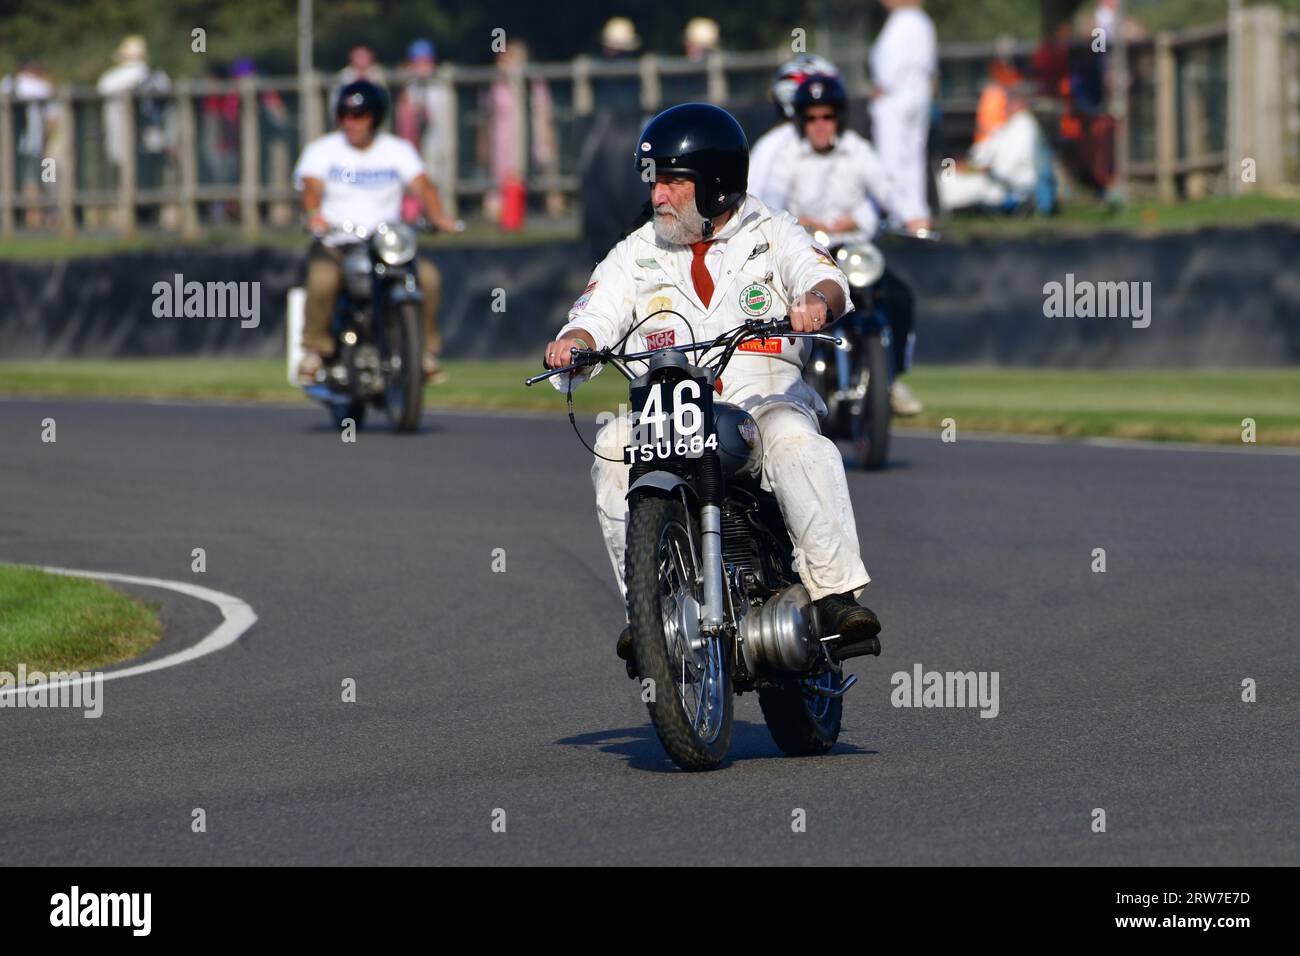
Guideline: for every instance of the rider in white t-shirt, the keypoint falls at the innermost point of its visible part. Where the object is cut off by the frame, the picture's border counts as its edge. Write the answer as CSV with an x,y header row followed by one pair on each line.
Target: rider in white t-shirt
x,y
359,175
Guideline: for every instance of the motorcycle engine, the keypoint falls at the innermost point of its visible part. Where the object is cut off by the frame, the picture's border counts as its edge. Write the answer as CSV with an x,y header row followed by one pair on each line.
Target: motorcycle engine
x,y
365,364
779,637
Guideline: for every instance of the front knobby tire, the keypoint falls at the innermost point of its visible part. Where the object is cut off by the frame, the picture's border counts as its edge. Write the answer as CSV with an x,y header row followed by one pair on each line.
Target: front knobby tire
x,y
802,724
404,396
692,706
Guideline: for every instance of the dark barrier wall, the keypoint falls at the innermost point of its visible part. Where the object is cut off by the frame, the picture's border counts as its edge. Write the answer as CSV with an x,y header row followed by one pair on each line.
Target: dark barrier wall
x,y
104,306
1219,297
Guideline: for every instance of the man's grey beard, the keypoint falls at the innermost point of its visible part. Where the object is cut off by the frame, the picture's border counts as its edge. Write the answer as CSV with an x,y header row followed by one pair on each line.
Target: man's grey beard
x,y
686,228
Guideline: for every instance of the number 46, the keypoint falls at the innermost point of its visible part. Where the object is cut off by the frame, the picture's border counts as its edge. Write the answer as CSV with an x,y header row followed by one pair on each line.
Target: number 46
x,y
654,416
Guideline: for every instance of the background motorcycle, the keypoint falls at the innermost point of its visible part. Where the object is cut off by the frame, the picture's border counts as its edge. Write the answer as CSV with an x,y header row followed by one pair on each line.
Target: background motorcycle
x,y
378,332
714,603
853,379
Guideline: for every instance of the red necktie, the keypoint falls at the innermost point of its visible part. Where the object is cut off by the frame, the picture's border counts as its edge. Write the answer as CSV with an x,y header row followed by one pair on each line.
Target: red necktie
x,y
700,272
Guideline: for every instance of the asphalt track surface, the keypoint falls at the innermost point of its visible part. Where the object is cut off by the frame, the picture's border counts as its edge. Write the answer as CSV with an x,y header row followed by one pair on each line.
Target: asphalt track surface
x,y
479,690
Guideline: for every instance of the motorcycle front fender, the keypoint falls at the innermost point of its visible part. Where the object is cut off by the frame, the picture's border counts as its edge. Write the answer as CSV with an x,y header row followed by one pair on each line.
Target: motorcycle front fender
x,y
664,481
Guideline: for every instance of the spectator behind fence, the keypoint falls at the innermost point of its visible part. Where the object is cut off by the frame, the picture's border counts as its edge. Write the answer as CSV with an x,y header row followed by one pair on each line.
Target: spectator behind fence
x,y
219,141
155,118
500,143
700,38
222,126
37,130
992,110
423,117
1003,170
619,39
618,42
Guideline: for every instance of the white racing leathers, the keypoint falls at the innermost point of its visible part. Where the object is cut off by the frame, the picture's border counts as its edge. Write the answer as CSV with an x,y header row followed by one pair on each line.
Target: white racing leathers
x,y
761,261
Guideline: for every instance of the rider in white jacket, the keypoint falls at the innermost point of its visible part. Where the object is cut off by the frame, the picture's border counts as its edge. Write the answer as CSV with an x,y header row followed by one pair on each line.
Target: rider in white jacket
x,y
716,257
833,181
763,154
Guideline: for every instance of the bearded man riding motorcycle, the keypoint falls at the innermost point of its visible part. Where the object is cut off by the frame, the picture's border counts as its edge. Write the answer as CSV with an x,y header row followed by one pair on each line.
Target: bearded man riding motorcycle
x,y
357,174
713,257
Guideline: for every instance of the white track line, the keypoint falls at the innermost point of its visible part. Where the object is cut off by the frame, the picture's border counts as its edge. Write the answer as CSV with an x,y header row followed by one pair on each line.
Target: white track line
x,y
237,617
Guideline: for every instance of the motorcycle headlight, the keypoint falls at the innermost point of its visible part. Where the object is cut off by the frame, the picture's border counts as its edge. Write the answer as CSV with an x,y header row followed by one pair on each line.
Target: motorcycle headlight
x,y
394,243
862,264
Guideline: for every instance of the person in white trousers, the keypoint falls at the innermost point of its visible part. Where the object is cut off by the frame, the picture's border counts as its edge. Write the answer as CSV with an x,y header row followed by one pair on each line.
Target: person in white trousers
x,y
903,65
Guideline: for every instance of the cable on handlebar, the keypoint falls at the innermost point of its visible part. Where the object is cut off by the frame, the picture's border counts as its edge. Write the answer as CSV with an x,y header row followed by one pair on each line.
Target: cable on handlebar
x,y
574,422
621,342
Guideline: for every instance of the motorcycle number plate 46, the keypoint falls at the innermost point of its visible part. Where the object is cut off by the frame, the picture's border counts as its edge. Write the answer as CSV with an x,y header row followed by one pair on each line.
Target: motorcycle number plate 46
x,y
671,420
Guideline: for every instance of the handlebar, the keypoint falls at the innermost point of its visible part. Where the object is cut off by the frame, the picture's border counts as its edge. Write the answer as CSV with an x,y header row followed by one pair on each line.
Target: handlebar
x,y
727,341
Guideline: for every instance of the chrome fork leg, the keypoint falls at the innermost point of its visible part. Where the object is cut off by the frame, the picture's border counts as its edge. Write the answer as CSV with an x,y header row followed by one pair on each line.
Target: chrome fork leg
x,y
713,615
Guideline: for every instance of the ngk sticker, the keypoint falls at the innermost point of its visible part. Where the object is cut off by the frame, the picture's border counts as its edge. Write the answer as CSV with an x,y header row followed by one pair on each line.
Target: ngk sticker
x,y
659,340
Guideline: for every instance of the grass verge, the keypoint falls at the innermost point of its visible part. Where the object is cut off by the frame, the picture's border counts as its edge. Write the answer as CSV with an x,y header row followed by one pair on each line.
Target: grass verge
x,y
1183,405
51,622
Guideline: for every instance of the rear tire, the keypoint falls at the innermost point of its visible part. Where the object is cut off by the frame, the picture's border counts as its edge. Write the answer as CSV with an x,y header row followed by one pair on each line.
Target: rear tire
x,y
800,726
663,592
404,395
870,418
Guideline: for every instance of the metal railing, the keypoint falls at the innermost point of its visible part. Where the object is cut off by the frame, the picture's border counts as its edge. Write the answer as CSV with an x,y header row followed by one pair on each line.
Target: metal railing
x,y
206,151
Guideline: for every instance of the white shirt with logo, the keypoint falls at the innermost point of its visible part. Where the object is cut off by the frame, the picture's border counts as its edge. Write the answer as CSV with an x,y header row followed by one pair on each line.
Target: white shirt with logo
x,y
761,261
362,186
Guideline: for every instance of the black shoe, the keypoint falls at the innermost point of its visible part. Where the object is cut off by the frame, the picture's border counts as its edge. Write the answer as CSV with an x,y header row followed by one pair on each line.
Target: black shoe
x,y
853,626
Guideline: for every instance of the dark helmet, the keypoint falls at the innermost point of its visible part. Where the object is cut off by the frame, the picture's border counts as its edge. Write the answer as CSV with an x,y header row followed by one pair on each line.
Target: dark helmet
x,y
364,97
790,74
821,90
705,143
